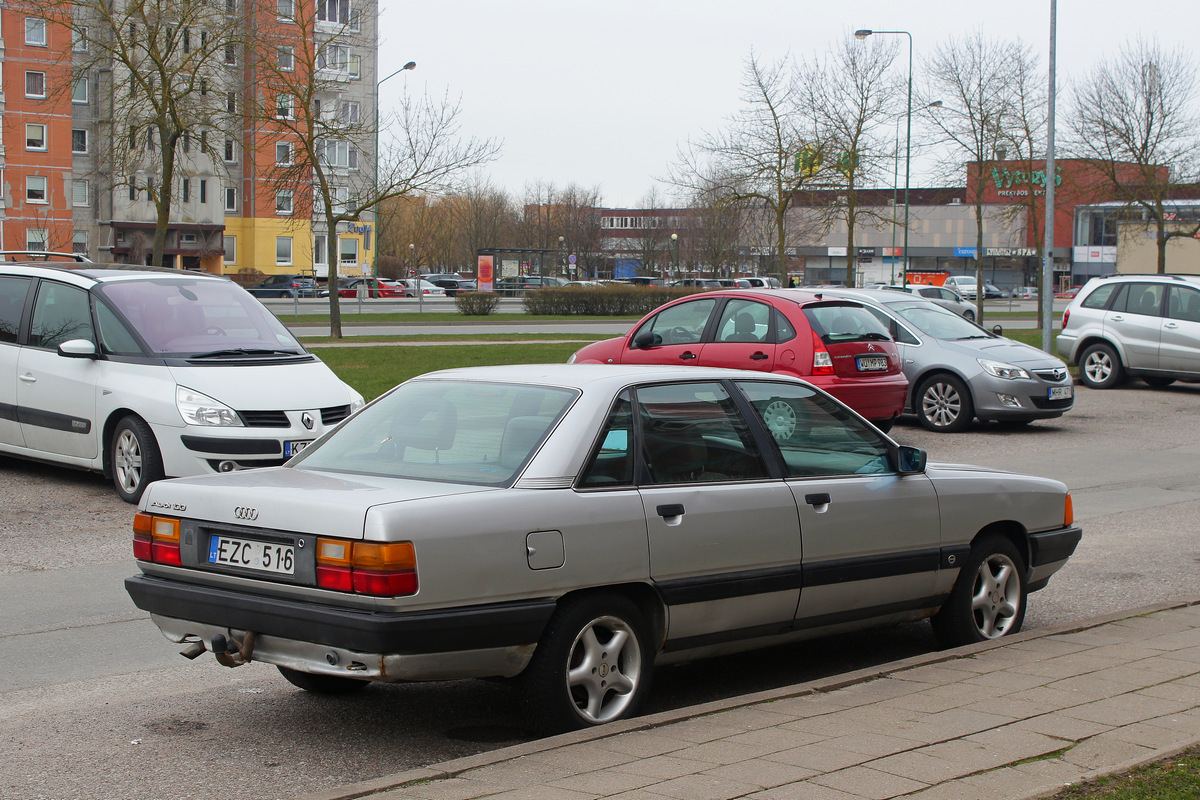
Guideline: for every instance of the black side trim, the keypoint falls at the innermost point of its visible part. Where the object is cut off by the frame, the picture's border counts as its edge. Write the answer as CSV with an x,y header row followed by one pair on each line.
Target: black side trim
x,y
8,411
730,584
865,568
1047,547
57,422
444,630
238,447
953,556
859,614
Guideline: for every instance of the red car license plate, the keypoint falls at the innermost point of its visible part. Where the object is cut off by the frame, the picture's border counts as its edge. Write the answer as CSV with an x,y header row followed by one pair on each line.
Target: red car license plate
x,y
872,363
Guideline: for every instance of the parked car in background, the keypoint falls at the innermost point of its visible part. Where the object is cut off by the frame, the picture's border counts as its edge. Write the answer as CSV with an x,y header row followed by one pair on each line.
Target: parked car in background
x,y
427,290
763,283
699,284
370,287
959,372
836,344
1068,293
517,285
946,298
965,285
453,283
571,528
1025,293
993,292
141,374
286,286
1144,326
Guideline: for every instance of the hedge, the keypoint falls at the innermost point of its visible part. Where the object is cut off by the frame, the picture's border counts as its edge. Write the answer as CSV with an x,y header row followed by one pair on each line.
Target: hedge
x,y
601,301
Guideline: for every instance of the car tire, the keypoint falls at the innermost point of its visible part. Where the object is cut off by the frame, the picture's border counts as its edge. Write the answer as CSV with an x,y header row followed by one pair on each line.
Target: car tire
x,y
884,425
136,461
561,692
988,599
1158,382
943,404
1100,367
322,684
969,315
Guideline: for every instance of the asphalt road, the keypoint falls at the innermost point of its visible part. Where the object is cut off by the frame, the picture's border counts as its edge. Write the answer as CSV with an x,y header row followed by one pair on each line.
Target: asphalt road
x,y
95,704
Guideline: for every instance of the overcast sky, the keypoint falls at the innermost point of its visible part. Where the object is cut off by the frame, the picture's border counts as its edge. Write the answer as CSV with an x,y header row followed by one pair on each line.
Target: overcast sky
x,y
603,94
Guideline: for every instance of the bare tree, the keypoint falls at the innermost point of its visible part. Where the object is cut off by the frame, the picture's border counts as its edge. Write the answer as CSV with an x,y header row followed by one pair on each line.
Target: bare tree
x,y
1134,119
573,213
169,62
772,149
716,224
853,97
319,135
970,96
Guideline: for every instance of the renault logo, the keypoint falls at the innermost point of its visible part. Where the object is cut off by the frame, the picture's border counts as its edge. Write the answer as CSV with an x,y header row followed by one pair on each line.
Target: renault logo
x,y
307,419
246,513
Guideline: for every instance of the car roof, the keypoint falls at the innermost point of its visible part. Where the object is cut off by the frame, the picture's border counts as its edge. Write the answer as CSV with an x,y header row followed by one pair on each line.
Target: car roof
x,y
882,296
90,273
593,377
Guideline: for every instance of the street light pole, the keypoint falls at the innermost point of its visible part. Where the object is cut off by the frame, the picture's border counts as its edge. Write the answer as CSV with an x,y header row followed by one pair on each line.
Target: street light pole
x,y
675,255
863,34
412,254
378,229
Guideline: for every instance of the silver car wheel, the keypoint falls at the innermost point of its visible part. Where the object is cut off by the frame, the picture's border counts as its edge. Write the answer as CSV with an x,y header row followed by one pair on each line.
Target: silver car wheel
x,y
996,596
780,419
1098,366
604,669
127,461
941,404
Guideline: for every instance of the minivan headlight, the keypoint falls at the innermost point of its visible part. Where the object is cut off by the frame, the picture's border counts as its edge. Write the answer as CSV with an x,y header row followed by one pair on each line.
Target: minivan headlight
x,y
1003,370
200,409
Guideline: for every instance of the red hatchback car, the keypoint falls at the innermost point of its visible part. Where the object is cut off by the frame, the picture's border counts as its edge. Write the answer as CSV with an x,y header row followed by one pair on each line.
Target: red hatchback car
x,y
835,344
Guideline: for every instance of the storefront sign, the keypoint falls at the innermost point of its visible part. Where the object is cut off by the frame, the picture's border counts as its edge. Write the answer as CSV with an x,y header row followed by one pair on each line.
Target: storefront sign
x,y
964,252
1010,252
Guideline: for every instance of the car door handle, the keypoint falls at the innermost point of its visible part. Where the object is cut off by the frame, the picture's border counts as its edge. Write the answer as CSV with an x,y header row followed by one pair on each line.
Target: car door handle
x,y
28,378
821,499
1118,318
759,357
672,510
689,355
1171,325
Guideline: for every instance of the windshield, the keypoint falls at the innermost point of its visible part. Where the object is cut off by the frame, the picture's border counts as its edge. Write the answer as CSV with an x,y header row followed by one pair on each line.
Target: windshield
x,y
935,321
845,323
454,431
189,316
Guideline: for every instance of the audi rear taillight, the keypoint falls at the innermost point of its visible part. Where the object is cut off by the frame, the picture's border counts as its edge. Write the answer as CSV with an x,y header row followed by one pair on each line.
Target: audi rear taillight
x,y
374,568
156,539
822,362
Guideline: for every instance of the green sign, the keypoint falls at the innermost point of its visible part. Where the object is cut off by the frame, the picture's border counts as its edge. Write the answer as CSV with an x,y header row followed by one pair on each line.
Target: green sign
x,y
1006,179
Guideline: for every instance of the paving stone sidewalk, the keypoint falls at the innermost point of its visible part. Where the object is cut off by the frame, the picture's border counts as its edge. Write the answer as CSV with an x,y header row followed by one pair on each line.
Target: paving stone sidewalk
x,y
1019,718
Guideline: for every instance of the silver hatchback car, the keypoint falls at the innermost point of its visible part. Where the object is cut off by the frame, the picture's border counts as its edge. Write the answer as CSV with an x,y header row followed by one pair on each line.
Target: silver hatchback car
x,y
958,371
1146,326
574,526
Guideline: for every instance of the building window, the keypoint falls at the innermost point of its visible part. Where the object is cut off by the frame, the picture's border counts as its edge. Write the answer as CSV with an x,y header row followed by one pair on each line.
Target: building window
x,y
287,58
80,193
79,243
285,106
35,136
320,249
230,56
203,191
333,58
285,9
334,11
36,238
132,191
231,7
231,198
350,111
230,151
79,141
35,84
283,201
35,32
355,66
79,42
348,249
230,249
231,102
186,141
283,154
283,250
341,196
35,189
79,92
187,189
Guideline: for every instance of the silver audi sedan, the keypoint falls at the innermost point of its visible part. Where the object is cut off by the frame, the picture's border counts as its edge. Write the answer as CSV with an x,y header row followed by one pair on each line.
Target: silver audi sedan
x,y
957,371
575,526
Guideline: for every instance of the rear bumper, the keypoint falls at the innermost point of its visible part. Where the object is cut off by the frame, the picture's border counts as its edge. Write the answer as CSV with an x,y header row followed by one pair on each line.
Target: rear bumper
x,y
878,398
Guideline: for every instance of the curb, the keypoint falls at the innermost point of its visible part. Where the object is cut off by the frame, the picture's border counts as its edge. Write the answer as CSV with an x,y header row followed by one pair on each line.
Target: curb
x,y
455,767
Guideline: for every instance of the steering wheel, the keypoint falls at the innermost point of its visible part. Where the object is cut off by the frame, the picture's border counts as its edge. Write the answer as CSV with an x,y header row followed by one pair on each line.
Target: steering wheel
x,y
216,330
681,335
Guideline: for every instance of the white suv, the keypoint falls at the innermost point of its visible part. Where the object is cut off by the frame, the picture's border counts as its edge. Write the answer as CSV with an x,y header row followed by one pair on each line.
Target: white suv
x,y
1146,326
142,374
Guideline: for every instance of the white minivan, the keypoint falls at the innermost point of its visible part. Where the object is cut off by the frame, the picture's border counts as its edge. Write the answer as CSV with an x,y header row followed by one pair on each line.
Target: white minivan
x,y
143,374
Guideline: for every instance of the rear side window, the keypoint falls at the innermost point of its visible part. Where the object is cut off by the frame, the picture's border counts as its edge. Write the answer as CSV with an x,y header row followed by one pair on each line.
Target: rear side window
x,y
1100,297
1183,304
13,292
612,462
845,324
744,321
1140,298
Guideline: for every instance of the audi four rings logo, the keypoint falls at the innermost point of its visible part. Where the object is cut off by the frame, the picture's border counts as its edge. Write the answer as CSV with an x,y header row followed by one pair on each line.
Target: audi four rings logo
x,y
246,513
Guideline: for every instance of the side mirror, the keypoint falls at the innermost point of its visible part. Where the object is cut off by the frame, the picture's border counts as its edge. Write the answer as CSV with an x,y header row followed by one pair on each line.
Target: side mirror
x,y
645,340
998,330
77,348
911,460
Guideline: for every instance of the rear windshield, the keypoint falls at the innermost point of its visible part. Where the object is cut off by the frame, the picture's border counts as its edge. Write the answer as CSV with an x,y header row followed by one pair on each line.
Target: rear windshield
x,y
452,431
188,317
845,323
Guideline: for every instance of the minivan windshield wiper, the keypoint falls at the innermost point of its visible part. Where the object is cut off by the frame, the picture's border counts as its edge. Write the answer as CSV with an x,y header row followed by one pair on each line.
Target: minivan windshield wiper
x,y
246,351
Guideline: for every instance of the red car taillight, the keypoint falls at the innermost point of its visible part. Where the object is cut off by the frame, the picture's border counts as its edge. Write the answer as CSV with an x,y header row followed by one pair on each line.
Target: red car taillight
x,y
822,362
382,570
1066,316
156,539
